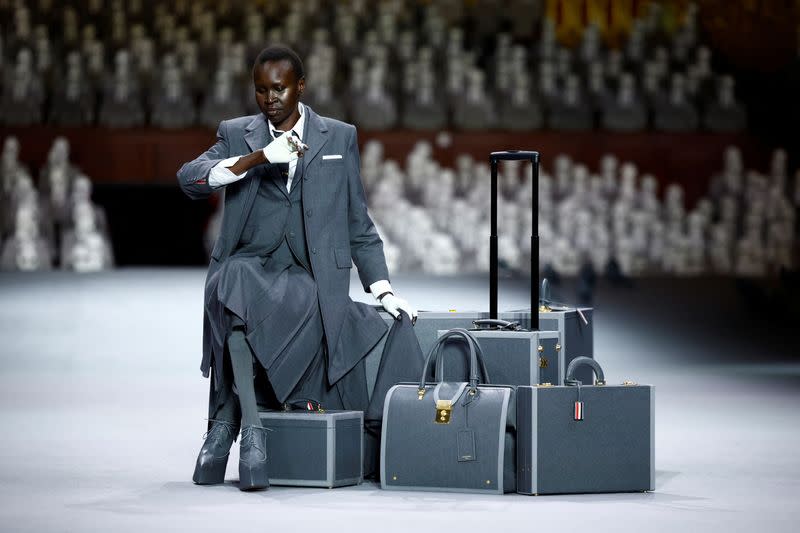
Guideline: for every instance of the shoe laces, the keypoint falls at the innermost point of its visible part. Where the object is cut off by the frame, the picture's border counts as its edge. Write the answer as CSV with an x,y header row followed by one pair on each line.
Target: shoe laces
x,y
249,435
220,425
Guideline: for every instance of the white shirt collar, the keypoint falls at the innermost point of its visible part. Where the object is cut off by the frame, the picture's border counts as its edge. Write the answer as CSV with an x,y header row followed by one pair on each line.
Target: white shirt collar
x,y
299,126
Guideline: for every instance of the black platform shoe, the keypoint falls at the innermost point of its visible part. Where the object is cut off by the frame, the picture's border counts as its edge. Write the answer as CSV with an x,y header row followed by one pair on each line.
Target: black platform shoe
x,y
253,472
213,457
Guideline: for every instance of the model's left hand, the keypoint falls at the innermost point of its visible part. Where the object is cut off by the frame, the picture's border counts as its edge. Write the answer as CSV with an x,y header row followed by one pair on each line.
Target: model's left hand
x,y
394,304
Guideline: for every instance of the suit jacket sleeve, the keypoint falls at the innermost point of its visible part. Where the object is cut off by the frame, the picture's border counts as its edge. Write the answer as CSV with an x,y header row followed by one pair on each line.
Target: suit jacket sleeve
x,y
366,246
193,176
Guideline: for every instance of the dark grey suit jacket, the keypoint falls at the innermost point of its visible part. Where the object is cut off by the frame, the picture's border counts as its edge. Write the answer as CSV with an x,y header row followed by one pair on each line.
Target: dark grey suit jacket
x,y
338,228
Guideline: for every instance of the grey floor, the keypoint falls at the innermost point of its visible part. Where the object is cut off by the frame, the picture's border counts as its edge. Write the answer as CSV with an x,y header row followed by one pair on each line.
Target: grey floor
x,y
102,412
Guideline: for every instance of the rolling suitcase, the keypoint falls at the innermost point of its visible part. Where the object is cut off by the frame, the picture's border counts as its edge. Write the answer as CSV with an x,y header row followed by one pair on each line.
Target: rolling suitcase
x,y
585,439
513,355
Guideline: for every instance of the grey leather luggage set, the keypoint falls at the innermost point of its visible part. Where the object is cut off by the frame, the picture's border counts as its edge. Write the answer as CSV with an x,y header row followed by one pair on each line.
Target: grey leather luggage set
x,y
570,434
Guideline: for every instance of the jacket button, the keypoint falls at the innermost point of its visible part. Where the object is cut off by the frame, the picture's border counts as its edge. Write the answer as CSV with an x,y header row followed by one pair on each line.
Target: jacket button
x,y
308,213
291,234
288,203
313,250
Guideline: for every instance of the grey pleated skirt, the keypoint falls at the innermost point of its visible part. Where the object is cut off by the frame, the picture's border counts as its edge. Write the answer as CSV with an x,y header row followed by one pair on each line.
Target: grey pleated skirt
x,y
277,305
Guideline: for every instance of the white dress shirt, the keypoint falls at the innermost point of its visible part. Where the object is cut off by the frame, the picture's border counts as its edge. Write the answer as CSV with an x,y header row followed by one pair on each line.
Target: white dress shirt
x,y
221,174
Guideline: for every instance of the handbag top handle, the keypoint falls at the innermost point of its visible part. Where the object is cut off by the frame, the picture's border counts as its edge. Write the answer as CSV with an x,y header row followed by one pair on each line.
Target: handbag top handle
x,y
569,378
438,370
475,358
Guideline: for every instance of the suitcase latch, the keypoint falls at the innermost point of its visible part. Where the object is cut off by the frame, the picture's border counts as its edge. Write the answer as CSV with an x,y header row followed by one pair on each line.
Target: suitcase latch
x,y
443,410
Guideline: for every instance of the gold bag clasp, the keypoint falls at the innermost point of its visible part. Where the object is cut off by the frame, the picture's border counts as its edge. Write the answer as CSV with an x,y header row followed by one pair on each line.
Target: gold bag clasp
x,y
443,410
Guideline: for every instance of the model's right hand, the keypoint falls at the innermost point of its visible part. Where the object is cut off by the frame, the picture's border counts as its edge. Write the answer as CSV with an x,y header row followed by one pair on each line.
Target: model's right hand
x,y
284,149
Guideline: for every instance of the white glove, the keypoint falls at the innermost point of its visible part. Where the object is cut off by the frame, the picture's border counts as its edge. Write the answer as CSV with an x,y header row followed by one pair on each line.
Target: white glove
x,y
394,304
284,149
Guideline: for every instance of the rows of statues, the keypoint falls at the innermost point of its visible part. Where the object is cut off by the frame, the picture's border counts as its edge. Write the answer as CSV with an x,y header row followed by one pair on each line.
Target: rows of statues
x,y
611,220
380,65
52,223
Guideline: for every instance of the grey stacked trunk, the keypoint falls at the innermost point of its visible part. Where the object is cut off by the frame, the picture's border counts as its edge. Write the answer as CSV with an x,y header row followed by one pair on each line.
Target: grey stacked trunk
x,y
314,449
575,328
511,357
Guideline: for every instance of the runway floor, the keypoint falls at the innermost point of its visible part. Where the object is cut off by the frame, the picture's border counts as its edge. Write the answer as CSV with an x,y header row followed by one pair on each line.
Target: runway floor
x,y
102,412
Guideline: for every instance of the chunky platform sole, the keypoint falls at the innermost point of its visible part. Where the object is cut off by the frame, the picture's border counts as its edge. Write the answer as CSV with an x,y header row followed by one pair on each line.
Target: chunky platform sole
x,y
211,472
253,478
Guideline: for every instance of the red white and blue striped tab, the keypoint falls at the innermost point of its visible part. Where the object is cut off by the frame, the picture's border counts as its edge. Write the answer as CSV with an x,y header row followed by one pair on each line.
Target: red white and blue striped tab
x,y
578,411
309,406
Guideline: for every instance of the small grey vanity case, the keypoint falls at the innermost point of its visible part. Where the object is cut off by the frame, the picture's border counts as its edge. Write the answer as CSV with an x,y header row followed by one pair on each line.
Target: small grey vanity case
x,y
585,439
314,448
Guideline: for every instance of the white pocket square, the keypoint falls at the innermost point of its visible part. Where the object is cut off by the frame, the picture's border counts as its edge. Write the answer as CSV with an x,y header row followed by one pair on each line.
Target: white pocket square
x,y
333,156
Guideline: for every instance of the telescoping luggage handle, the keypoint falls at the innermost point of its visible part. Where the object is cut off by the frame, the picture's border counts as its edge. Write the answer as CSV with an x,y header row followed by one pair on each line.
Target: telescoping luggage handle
x,y
515,155
475,360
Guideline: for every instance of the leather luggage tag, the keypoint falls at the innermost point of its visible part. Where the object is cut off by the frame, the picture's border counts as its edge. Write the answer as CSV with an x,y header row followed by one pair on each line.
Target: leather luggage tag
x,y
466,445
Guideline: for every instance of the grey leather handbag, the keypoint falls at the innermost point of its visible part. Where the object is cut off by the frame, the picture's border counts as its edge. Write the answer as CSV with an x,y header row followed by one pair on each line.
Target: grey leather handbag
x,y
450,436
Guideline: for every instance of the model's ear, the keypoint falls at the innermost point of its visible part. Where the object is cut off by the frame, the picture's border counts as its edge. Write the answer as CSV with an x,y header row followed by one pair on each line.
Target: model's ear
x,y
301,86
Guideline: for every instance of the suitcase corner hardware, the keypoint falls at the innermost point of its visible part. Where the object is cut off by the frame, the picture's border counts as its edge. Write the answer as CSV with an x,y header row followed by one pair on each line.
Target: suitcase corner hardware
x,y
443,410
543,362
420,393
558,347
545,384
488,481
628,383
599,383
540,348
544,309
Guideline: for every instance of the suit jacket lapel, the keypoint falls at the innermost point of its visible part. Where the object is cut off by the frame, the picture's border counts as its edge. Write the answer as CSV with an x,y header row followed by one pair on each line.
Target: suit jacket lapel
x,y
316,135
257,133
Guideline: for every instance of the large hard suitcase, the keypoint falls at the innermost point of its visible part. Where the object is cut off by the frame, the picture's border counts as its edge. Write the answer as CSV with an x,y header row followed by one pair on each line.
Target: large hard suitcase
x,y
314,448
585,439
449,436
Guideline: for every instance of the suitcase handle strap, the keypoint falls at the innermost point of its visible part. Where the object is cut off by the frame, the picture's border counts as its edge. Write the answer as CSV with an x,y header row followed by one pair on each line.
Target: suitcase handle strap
x,y
515,155
495,324
569,379
475,358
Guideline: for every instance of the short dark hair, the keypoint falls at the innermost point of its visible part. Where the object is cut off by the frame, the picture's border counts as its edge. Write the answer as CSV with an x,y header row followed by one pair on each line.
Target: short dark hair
x,y
280,52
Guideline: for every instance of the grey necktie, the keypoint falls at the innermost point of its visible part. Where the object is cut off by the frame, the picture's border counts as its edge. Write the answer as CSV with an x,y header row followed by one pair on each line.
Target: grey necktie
x,y
283,167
